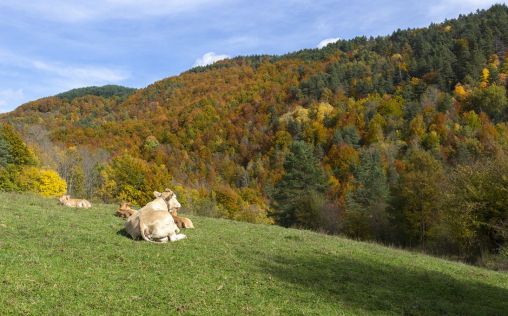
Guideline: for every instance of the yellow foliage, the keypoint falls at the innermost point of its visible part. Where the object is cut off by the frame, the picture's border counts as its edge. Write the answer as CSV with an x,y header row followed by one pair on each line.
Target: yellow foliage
x,y
300,114
460,91
228,200
323,109
485,78
45,182
417,126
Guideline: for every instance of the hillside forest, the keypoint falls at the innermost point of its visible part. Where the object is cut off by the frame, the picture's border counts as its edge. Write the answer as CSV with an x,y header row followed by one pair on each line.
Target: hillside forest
x,y
400,139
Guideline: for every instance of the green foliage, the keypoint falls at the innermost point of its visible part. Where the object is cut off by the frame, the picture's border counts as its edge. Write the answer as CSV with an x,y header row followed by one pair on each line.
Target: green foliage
x,y
366,205
303,177
491,100
419,196
5,153
107,91
478,206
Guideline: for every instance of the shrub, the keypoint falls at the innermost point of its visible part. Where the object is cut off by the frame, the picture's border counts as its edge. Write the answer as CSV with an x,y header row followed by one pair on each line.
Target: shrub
x,y
132,179
41,181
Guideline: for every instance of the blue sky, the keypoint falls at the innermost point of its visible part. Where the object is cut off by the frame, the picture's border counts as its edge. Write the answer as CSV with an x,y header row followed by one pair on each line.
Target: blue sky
x,y
50,46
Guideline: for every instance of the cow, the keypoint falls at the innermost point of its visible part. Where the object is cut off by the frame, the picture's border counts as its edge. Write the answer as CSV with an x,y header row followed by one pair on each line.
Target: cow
x,y
80,203
125,210
181,222
154,222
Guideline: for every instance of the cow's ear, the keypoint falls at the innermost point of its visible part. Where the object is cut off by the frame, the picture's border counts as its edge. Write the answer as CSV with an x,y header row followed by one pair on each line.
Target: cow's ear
x,y
157,194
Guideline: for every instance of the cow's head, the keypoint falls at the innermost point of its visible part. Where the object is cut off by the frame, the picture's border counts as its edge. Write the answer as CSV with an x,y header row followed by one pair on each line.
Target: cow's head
x,y
125,205
64,198
170,198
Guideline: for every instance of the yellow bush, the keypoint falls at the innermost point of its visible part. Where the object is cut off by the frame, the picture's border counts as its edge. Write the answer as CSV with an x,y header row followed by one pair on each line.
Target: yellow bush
x,y
45,182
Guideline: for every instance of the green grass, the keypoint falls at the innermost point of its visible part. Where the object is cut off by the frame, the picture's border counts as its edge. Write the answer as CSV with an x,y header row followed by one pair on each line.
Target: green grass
x,y
62,261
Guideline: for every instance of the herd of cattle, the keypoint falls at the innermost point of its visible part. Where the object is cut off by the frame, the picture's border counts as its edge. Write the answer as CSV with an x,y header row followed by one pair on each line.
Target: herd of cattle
x,y
157,221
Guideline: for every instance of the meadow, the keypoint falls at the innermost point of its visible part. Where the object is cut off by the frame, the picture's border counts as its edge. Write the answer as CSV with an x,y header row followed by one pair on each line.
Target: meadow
x,y
62,261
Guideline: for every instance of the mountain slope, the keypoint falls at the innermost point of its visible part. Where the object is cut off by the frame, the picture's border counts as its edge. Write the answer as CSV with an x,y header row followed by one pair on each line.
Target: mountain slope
x,y
80,262
384,117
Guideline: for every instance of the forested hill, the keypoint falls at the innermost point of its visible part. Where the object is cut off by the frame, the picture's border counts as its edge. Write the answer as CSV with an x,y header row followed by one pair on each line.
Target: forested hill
x,y
400,138
107,91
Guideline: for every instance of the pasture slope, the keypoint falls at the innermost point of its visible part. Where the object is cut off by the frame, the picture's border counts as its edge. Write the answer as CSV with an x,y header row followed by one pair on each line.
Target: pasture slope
x,y
61,261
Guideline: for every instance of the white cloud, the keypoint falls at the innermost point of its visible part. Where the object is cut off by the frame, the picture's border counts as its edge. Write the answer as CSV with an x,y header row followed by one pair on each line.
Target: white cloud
x,y
327,41
208,59
77,11
444,8
10,98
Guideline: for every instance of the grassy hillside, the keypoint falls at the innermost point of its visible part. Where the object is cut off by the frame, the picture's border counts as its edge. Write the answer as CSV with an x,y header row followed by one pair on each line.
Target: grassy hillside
x,y
65,261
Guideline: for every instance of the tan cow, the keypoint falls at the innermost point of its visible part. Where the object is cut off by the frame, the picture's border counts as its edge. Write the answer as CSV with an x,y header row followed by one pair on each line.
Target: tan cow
x,y
80,203
125,210
154,222
181,222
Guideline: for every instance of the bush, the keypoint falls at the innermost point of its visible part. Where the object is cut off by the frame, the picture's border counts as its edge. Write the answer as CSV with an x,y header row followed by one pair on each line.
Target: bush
x,y
132,179
41,181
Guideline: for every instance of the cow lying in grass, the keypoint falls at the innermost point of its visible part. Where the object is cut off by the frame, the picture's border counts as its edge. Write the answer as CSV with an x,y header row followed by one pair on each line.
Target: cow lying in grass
x,y
154,222
125,210
80,203
181,222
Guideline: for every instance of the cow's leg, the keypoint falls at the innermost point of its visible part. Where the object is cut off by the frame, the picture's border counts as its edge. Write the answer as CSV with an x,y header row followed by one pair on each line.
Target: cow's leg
x,y
177,237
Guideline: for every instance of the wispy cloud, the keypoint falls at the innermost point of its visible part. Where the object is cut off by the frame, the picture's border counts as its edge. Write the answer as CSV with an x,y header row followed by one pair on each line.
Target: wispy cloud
x,y
50,77
78,11
81,75
327,41
443,8
9,98
209,58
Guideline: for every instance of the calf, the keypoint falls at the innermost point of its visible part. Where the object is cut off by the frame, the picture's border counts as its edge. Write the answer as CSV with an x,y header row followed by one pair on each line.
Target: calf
x,y
181,222
125,211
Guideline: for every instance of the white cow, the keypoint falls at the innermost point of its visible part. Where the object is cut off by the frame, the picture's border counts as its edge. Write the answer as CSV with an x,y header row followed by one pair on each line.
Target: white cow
x,y
154,222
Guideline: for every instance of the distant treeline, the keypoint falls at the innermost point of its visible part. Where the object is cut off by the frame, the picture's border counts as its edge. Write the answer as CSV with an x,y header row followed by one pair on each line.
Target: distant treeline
x,y
107,91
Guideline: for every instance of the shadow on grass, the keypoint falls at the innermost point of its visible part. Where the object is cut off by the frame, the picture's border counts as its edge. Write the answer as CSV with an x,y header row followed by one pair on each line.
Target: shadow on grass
x,y
369,286
123,232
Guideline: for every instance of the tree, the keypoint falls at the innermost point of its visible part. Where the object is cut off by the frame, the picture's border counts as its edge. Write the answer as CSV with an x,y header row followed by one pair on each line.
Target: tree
x,y
132,180
303,179
366,205
19,153
491,100
477,206
419,195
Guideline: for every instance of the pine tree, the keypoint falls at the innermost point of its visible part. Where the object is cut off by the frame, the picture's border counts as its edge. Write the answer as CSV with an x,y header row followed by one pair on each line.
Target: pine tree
x,y
366,206
304,178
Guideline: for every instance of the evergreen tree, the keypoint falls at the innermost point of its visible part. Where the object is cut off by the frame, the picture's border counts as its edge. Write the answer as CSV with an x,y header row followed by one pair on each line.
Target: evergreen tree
x,y
5,153
304,178
366,206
